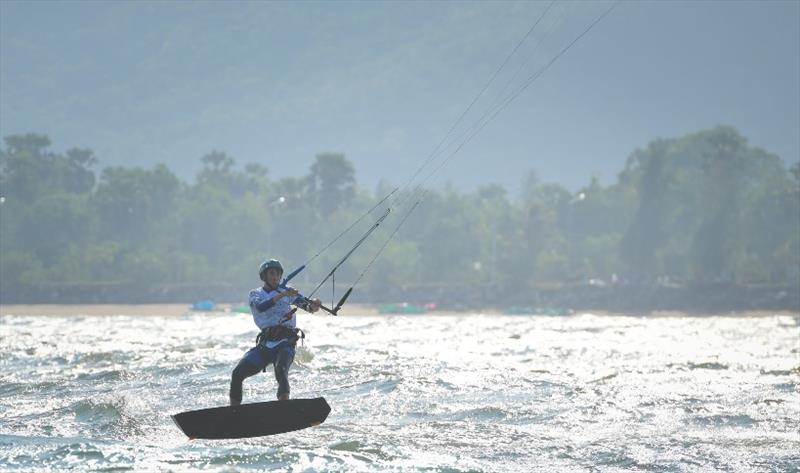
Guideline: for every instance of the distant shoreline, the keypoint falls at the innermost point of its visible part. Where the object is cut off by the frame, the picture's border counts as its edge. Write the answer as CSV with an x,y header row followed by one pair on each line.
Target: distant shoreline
x,y
175,310
627,298
132,310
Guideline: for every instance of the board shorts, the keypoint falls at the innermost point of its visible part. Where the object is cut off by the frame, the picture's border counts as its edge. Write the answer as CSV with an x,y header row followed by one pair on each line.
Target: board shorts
x,y
261,356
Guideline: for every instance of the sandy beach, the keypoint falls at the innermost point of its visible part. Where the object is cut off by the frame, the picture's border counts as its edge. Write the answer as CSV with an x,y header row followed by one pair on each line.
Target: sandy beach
x,y
135,309
94,309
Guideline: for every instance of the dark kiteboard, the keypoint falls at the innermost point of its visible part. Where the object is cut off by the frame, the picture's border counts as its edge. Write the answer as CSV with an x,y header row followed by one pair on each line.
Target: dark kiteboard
x,y
253,420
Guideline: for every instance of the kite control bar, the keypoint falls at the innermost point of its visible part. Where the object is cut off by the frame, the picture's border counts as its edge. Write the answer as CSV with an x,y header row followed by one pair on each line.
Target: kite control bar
x,y
332,311
335,310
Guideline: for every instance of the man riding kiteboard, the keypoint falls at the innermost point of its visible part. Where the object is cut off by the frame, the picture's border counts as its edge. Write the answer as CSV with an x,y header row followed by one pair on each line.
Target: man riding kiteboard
x,y
271,306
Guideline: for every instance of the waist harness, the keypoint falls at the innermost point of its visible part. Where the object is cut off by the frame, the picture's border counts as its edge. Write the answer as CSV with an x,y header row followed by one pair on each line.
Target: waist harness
x,y
279,332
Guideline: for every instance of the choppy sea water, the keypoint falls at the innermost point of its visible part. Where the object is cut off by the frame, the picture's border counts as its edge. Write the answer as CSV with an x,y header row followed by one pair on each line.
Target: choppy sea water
x,y
411,393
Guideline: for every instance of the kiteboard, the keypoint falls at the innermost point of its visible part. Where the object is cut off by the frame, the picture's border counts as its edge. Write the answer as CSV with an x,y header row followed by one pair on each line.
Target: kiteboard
x,y
253,420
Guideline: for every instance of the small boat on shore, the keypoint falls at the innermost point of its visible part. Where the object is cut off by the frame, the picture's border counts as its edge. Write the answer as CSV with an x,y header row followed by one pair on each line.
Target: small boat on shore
x,y
402,308
204,305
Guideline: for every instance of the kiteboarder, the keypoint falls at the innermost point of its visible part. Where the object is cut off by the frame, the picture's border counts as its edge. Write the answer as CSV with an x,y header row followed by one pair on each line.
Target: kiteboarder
x,y
271,306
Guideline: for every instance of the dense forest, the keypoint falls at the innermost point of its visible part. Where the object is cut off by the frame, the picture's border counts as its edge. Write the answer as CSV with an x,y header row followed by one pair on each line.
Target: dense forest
x,y
706,207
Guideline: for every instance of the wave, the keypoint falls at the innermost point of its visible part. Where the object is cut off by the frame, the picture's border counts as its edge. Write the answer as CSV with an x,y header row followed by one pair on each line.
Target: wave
x,y
708,365
96,412
39,453
108,416
116,356
725,420
366,387
789,372
346,445
769,401
15,440
786,387
486,413
105,375
605,378
9,388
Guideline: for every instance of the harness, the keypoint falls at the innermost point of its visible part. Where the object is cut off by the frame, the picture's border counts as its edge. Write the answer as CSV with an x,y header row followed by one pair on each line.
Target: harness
x,y
279,332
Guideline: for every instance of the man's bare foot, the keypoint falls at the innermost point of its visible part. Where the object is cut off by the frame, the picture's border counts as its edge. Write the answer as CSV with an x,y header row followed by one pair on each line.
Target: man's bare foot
x,y
283,397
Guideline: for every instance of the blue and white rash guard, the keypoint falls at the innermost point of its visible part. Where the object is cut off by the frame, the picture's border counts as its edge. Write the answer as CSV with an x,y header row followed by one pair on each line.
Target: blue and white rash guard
x,y
269,314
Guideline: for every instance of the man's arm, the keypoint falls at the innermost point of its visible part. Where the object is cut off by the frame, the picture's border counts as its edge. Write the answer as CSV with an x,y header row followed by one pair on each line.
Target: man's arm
x,y
264,305
261,306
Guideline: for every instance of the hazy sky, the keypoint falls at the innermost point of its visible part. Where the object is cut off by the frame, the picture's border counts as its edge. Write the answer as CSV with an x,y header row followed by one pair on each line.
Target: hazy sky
x,y
277,83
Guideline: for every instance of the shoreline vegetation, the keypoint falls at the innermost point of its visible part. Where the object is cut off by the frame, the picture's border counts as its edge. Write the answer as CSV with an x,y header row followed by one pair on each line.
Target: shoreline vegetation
x,y
614,298
700,223
178,310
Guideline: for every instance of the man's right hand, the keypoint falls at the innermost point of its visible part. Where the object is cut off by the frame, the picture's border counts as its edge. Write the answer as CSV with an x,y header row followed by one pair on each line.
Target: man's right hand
x,y
288,292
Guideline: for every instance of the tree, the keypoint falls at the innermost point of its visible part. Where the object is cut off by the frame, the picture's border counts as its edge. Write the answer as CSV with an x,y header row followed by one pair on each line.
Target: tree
x,y
131,201
52,224
701,200
646,170
219,171
28,169
331,182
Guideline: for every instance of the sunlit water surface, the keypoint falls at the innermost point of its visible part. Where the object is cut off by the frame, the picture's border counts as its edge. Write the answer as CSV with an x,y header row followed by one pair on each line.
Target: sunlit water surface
x,y
411,393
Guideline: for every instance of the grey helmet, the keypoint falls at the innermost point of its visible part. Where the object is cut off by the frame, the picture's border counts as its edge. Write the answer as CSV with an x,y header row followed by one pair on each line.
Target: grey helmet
x,y
271,263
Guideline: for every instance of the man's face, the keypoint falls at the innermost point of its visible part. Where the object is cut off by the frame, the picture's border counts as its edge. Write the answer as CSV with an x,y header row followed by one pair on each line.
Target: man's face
x,y
274,276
